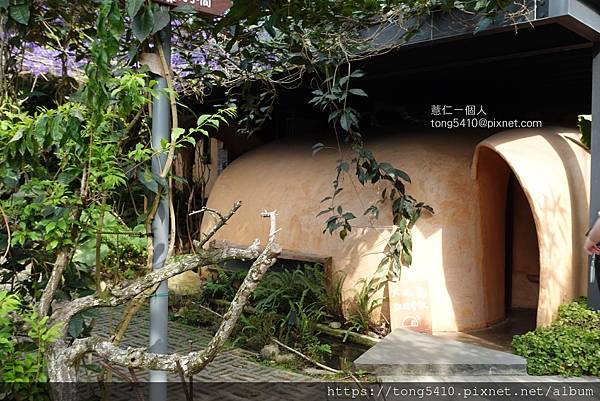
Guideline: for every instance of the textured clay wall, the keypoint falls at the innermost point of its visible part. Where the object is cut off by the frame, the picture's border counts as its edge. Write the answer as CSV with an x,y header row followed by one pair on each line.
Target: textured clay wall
x,y
286,177
458,265
525,252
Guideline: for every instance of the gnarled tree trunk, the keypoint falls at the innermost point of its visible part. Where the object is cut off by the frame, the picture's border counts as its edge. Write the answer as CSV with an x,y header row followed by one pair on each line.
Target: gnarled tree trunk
x,y
63,357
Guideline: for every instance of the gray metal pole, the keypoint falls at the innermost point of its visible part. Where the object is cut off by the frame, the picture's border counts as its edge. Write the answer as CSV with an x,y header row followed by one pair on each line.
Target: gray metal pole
x,y
593,291
159,302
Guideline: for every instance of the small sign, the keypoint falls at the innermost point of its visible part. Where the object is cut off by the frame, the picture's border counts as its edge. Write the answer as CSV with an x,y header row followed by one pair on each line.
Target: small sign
x,y
208,7
409,304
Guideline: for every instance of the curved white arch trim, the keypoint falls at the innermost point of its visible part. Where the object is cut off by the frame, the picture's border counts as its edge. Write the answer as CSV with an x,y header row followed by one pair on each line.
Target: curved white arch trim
x,y
553,170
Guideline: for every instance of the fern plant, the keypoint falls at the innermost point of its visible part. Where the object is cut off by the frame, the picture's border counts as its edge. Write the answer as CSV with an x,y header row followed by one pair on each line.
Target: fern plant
x,y
364,304
279,289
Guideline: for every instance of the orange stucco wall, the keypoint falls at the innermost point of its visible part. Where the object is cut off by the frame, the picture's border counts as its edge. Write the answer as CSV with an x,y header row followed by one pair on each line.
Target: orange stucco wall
x,y
452,255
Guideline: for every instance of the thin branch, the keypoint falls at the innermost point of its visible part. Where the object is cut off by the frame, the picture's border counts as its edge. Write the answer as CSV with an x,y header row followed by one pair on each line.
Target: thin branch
x,y
173,103
209,310
134,382
3,259
220,222
133,308
172,221
309,359
99,244
135,385
188,397
135,120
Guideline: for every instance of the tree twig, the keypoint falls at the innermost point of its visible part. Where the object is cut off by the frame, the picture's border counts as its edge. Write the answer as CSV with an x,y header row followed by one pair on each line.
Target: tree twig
x,y
135,385
3,259
220,222
172,221
183,382
60,264
123,376
99,245
309,359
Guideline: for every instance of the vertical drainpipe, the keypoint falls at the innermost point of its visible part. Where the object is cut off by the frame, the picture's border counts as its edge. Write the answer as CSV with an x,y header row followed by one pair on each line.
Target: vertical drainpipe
x,y
161,129
593,290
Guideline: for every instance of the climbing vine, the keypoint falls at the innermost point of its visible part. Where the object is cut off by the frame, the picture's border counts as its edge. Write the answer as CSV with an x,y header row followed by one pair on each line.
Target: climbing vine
x,y
259,49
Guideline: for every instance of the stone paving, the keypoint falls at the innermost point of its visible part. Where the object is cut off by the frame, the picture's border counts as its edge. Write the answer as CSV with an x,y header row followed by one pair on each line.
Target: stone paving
x,y
232,365
234,376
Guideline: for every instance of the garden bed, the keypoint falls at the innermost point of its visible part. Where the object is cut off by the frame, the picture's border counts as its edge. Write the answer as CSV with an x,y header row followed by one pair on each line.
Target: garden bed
x,y
291,306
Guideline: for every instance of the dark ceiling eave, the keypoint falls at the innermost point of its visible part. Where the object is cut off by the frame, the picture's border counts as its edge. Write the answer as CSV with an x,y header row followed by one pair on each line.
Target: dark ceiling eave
x,y
582,17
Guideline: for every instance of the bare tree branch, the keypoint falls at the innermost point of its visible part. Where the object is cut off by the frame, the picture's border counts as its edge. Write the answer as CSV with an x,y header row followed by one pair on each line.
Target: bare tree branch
x,y
194,361
60,264
123,293
220,222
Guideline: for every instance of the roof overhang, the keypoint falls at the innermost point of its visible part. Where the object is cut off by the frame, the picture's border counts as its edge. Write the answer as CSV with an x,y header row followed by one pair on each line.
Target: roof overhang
x,y
579,16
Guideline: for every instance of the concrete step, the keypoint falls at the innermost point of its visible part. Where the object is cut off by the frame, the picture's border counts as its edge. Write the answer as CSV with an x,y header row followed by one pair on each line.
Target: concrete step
x,y
407,353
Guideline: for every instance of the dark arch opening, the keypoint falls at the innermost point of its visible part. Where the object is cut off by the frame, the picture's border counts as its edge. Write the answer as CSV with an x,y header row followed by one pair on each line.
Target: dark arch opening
x,y
511,260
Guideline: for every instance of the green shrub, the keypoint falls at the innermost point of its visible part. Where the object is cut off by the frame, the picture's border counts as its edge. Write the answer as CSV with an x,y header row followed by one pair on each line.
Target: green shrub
x,y
24,338
569,347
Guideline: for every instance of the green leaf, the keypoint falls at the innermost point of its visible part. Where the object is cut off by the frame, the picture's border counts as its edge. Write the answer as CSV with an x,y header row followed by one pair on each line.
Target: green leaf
x,y
358,92
483,24
407,258
585,128
143,24
317,147
322,212
20,13
17,136
147,179
345,121
161,20
177,132
395,237
133,6
76,326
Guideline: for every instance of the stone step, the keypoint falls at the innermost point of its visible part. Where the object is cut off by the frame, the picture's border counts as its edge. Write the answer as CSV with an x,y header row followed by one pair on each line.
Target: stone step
x,y
407,353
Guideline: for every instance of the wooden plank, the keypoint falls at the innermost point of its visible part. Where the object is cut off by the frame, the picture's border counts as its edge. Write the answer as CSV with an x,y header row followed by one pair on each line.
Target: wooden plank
x,y
207,7
285,254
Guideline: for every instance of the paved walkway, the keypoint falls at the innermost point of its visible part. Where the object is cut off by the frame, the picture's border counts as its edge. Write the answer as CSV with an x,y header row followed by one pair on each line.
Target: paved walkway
x,y
232,365
234,376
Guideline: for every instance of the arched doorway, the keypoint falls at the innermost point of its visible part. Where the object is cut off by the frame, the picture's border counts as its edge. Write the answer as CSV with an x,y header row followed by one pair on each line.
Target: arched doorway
x,y
511,258
522,260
